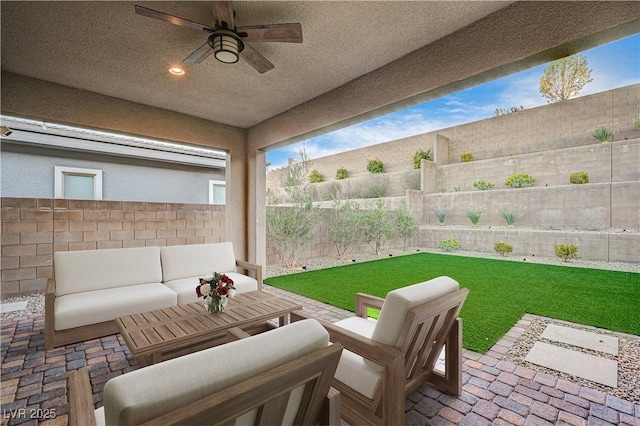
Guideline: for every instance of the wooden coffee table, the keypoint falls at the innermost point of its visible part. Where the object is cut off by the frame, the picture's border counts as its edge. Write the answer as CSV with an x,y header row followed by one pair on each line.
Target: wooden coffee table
x,y
170,332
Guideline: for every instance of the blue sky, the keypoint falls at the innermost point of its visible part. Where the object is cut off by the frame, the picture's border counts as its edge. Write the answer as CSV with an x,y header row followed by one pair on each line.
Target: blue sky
x,y
614,65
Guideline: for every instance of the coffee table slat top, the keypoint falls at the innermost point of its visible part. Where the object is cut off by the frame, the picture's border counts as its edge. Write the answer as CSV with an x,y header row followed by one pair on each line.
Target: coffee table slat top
x,y
179,326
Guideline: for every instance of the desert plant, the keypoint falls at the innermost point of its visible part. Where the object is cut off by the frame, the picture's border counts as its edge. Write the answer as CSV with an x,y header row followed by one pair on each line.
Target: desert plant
x,y
592,219
373,186
565,78
315,176
474,215
482,185
449,244
456,188
375,165
412,179
443,190
502,247
406,224
272,197
603,132
377,227
345,224
520,180
579,177
441,213
290,228
504,111
466,157
419,156
511,213
636,122
566,252
342,173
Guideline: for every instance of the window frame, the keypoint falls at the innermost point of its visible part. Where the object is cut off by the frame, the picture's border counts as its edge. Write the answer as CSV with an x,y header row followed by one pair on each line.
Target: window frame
x,y
61,171
213,183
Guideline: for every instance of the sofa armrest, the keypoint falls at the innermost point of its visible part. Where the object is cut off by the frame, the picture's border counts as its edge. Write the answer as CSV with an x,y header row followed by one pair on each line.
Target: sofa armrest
x,y
81,411
364,301
49,315
252,267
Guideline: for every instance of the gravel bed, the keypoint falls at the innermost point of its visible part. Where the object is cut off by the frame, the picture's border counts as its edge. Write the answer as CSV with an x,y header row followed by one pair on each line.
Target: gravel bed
x,y
629,346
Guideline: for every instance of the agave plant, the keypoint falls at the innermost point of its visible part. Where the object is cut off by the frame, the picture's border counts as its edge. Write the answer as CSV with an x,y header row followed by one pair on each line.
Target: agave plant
x,y
474,215
511,213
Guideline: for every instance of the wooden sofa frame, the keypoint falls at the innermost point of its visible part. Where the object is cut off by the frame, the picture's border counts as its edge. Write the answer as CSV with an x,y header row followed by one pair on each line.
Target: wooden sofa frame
x,y
427,328
267,392
54,338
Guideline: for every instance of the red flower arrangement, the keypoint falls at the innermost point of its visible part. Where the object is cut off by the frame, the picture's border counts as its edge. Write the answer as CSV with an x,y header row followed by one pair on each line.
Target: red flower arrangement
x,y
215,288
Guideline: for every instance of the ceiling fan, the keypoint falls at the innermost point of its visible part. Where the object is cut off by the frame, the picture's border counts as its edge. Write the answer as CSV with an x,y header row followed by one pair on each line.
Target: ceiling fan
x,y
228,42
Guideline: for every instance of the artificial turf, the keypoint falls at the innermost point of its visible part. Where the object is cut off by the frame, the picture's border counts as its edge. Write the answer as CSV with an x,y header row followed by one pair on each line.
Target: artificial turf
x,y
500,291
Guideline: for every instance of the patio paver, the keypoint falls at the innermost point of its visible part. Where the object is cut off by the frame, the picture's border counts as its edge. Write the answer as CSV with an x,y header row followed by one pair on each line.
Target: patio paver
x,y
495,390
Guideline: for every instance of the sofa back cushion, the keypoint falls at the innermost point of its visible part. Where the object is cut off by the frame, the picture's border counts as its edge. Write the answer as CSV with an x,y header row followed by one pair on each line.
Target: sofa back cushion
x,y
87,270
399,302
196,260
141,395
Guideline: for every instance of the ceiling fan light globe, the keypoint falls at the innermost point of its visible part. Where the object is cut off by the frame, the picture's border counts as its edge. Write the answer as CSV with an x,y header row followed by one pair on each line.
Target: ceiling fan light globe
x,y
226,48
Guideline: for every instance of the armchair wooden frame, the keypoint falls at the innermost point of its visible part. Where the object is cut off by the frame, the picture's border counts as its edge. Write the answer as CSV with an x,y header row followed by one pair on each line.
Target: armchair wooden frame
x,y
268,393
427,329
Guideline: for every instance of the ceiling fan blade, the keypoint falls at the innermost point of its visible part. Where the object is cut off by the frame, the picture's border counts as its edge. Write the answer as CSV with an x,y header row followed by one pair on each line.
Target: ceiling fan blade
x,y
199,55
223,11
255,59
284,33
175,20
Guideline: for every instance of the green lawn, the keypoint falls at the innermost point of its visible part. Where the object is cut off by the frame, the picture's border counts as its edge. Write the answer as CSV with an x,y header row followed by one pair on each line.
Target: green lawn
x,y
501,291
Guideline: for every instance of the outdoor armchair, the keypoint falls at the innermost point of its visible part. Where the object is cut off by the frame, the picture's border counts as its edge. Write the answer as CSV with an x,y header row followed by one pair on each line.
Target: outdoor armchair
x,y
387,359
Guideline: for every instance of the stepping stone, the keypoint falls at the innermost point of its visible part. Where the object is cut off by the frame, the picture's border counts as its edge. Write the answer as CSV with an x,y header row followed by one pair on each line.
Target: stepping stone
x,y
590,367
12,307
582,339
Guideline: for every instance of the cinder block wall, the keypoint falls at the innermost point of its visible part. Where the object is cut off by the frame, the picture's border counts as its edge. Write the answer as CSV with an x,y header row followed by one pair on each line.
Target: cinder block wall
x,y
550,127
34,228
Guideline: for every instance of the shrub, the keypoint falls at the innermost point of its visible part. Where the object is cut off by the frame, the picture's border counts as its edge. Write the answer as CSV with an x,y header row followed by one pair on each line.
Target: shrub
x,y
419,156
482,185
636,122
474,215
406,225
466,157
566,252
315,176
441,213
511,213
345,224
373,186
520,180
579,177
449,244
502,247
375,166
592,219
412,179
342,173
377,227
604,132
456,188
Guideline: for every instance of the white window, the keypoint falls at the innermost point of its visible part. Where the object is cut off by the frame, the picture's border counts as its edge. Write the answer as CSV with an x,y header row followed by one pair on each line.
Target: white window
x,y
217,192
78,184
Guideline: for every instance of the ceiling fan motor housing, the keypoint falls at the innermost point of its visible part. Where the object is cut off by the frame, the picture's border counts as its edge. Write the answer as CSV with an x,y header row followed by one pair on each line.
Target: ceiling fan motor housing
x,y
226,46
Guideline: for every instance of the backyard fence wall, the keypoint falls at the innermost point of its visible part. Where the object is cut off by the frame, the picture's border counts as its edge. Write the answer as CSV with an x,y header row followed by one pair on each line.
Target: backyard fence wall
x,y
34,228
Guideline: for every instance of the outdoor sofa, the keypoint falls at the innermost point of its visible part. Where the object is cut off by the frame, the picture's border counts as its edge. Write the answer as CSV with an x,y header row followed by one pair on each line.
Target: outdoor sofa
x,y
91,288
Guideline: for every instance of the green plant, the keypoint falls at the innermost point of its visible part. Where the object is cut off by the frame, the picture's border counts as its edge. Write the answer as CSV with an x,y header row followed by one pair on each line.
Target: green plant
x,y
443,190
502,247
375,165
482,185
373,186
504,111
636,122
520,180
449,244
511,213
566,252
565,78
466,157
406,224
419,156
315,176
579,177
474,215
441,213
456,188
377,226
345,224
604,132
342,173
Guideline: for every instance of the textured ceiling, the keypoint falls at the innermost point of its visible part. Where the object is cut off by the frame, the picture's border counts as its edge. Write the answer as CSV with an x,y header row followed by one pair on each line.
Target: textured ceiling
x,y
106,48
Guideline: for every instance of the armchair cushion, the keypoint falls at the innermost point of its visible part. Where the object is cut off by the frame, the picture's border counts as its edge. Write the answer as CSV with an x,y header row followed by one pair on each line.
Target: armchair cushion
x,y
398,303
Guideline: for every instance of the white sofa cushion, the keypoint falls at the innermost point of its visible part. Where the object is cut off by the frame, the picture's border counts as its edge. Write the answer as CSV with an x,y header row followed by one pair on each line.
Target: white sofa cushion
x,y
143,394
92,307
399,302
185,288
79,271
196,260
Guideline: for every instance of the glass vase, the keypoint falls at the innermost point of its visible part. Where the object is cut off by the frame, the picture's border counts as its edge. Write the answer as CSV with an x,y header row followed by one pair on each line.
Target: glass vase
x,y
215,304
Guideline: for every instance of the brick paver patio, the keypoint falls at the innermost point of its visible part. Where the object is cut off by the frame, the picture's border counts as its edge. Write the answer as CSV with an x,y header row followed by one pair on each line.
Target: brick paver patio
x,y
34,382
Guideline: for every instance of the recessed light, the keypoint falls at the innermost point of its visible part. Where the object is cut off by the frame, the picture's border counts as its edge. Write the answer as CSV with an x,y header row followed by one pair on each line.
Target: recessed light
x,y
176,71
